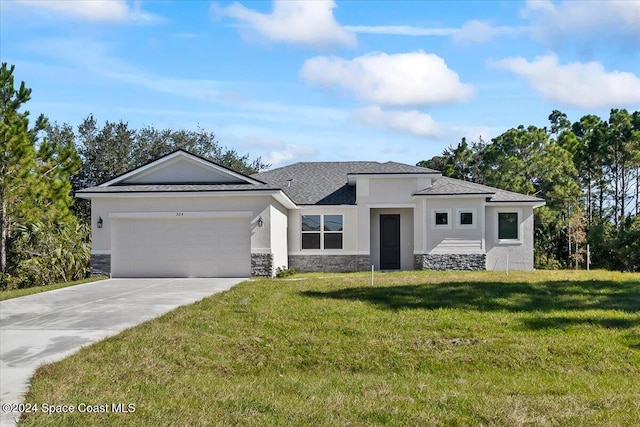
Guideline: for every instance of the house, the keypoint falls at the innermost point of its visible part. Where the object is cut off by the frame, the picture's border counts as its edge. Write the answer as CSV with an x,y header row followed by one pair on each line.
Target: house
x,y
184,216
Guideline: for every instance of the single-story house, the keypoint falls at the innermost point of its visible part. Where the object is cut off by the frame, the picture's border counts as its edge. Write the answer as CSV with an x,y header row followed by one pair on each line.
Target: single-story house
x,y
184,216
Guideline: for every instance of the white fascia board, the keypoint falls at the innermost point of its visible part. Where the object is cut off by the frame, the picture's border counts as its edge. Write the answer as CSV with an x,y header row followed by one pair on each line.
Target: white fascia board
x,y
148,168
453,196
153,194
284,200
351,178
534,204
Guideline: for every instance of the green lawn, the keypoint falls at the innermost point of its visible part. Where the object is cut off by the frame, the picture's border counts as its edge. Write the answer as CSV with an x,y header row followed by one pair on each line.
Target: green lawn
x,y
418,348
15,293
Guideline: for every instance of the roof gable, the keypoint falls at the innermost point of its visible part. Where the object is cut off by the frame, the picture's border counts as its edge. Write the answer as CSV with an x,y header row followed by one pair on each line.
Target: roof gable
x,y
181,167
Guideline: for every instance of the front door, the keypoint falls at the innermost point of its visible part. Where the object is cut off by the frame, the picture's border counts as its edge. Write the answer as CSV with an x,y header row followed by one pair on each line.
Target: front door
x,y
390,242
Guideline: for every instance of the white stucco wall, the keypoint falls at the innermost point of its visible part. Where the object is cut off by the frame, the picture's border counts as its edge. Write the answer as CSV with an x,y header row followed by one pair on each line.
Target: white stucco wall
x,y
517,255
258,205
278,229
455,237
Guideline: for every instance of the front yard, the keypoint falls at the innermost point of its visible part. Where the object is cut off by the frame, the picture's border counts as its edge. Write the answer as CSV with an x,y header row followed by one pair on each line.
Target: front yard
x,y
418,348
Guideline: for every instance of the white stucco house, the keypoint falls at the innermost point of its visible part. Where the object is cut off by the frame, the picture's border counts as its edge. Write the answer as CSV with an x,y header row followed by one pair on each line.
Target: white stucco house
x,y
184,216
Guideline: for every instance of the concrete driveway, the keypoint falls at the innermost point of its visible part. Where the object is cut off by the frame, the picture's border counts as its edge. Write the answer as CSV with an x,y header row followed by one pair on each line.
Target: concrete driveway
x,y
46,327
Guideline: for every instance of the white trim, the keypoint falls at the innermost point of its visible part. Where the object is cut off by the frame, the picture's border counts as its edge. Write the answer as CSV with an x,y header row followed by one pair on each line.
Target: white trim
x,y
100,251
391,205
148,168
440,226
535,204
181,215
474,214
517,241
327,252
455,196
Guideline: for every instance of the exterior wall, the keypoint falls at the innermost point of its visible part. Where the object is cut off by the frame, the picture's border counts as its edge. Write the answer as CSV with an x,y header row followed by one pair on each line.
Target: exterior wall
x,y
279,248
450,262
512,255
100,265
182,170
261,237
329,263
262,265
406,236
454,238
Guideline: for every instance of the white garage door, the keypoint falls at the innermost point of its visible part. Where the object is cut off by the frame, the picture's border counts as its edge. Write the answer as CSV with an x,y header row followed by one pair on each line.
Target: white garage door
x,y
180,246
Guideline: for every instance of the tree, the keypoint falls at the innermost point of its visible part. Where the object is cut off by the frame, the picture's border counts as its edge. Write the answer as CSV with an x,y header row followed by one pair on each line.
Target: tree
x,y
39,232
17,156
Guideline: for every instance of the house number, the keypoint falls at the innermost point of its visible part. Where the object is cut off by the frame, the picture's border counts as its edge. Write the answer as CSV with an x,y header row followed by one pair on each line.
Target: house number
x,y
179,213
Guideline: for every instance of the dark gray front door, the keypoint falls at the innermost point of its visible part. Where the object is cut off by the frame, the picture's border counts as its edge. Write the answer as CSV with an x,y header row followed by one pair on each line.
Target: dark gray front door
x,y
390,242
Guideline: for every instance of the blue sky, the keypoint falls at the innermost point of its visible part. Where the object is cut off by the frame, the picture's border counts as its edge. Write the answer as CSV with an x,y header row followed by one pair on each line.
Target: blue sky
x,y
322,80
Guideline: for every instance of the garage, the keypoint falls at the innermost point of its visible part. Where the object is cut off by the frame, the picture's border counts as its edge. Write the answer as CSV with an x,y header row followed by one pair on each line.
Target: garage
x,y
181,244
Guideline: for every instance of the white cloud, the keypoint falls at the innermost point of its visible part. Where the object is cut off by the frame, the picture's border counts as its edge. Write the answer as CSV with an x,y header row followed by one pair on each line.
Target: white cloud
x,y
482,31
94,10
405,79
308,23
401,30
586,22
577,84
412,121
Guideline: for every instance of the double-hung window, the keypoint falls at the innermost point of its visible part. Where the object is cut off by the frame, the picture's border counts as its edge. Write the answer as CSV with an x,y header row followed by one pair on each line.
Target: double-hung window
x,y
322,231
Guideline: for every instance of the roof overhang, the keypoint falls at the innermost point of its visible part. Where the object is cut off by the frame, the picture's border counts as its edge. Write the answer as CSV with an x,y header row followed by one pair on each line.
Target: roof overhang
x,y
455,196
532,203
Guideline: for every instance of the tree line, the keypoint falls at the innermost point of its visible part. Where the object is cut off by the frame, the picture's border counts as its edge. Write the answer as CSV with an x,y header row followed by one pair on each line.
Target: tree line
x,y
588,172
44,231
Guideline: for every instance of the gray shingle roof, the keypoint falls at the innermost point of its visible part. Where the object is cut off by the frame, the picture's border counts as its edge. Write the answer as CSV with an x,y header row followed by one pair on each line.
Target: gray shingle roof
x,y
449,186
325,183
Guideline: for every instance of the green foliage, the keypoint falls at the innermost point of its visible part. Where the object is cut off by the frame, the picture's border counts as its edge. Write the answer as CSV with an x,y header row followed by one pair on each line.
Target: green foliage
x,y
282,272
41,241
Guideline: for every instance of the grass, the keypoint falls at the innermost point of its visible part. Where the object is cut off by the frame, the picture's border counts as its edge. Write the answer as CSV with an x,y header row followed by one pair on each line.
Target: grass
x,y
15,293
418,348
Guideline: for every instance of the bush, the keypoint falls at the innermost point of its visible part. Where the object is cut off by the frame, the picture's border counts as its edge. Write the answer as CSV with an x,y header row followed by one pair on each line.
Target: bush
x,y
282,272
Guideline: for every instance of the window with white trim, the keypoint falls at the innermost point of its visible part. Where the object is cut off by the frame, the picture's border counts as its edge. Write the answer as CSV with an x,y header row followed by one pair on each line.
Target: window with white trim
x,y
322,231
508,226
466,218
441,218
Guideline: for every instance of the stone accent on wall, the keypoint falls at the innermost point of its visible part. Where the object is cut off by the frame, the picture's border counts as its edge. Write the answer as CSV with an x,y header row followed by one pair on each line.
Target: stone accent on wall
x,y
330,263
450,262
262,265
100,265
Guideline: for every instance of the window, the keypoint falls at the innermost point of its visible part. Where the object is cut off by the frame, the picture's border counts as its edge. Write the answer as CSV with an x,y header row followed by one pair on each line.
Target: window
x,y
508,226
466,218
441,218
322,231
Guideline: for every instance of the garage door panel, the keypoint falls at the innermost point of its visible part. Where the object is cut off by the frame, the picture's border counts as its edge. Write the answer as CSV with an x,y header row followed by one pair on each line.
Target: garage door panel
x,y
182,247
